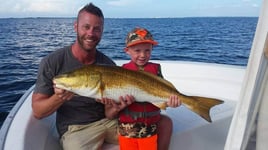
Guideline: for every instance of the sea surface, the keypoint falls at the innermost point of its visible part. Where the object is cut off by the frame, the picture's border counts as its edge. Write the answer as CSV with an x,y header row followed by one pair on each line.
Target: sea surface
x,y
24,42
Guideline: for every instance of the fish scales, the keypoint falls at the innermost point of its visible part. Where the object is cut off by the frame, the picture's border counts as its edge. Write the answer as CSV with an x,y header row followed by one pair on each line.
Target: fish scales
x,y
142,81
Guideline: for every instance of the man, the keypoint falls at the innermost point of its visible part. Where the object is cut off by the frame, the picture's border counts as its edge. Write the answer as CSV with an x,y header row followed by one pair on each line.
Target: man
x,y
82,122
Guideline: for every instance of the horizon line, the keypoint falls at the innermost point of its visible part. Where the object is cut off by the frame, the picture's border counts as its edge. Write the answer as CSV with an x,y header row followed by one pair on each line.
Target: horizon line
x,y
132,17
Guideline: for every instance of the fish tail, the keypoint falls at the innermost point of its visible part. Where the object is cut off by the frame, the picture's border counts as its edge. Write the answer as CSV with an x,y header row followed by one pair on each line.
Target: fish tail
x,y
202,106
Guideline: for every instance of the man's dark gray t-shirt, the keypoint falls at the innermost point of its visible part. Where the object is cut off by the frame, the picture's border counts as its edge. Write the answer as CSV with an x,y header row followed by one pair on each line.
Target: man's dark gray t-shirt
x,y
79,110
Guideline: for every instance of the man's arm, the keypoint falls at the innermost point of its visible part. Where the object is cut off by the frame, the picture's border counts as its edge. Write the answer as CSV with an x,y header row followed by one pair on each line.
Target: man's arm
x,y
44,105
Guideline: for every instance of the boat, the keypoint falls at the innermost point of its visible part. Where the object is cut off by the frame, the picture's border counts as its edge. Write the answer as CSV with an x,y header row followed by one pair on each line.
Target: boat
x,y
240,123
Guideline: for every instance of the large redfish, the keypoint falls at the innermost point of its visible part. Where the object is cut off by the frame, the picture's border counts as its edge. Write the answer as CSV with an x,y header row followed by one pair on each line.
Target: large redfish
x,y
98,81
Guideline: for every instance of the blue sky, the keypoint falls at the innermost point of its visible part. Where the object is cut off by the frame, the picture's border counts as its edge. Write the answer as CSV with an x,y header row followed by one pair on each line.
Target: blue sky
x,y
131,8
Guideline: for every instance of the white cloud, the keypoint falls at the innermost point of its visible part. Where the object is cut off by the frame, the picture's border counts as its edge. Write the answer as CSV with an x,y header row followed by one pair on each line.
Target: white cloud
x,y
129,2
43,7
119,2
122,8
251,3
29,8
255,5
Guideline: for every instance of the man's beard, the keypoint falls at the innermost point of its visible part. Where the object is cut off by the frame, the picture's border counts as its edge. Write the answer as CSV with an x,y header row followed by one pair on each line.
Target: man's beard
x,y
84,46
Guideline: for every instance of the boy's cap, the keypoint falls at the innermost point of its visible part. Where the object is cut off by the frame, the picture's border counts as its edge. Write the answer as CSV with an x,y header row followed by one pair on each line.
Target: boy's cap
x,y
139,35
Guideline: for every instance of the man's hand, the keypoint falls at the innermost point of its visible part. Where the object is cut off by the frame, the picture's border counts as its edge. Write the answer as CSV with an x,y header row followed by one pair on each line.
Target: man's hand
x,y
64,95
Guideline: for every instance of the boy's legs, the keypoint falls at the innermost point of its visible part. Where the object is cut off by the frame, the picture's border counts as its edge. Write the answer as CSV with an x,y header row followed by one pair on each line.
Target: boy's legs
x,y
126,143
164,131
148,143
90,136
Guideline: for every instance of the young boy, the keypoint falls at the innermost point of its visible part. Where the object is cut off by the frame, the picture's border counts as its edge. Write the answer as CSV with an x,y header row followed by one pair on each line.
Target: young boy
x,y
138,121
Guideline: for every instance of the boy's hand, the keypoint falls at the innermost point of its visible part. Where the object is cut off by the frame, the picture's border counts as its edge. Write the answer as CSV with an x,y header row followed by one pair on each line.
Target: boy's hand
x,y
173,101
123,102
112,108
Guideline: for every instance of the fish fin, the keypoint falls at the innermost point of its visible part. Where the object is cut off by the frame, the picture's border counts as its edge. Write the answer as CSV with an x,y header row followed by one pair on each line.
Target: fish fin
x,y
161,105
99,84
203,105
102,88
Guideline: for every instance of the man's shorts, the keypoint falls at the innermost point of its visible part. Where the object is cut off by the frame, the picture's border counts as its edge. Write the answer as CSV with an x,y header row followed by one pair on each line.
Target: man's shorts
x,y
147,143
90,136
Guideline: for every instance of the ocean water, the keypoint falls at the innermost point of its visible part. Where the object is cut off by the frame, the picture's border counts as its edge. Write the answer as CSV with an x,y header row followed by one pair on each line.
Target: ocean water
x,y
24,42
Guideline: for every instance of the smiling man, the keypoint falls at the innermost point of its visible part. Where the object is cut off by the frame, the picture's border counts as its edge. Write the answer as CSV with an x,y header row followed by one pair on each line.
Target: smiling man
x,y
82,123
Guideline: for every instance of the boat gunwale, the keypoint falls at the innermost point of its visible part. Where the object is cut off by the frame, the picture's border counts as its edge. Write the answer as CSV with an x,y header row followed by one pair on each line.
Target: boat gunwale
x,y
9,119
